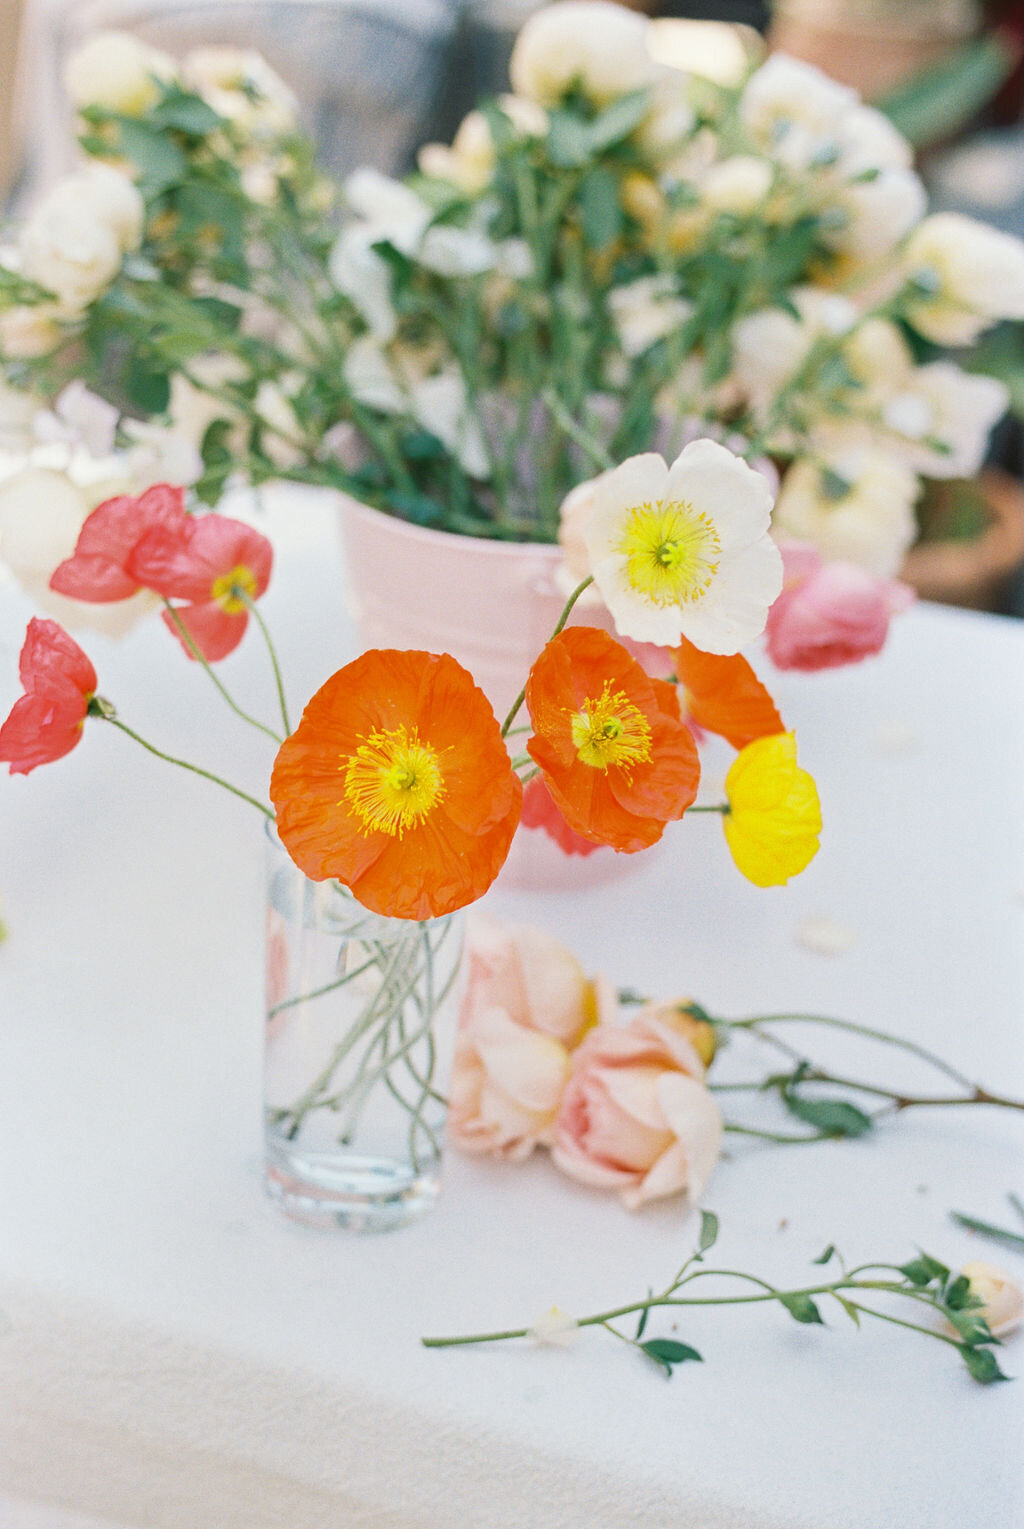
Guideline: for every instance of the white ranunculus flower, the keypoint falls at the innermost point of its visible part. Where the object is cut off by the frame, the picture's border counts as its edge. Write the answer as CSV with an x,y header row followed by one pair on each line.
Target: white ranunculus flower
x,y
440,405
971,276
670,118
599,46
794,112
41,514
869,141
877,354
770,346
282,431
646,310
684,550
240,86
69,247
738,184
871,523
115,199
117,71
944,407
469,162
29,332
1002,1302
393,213
877,214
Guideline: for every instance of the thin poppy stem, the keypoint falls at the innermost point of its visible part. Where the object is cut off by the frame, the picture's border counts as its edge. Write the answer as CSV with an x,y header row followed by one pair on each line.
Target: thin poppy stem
x,y
575,431
563,618
183,764
250,604
722,807
187,639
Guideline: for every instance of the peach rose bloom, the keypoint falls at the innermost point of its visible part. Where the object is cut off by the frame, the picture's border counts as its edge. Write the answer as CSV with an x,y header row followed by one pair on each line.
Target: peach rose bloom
x,y
526,1004
636,1115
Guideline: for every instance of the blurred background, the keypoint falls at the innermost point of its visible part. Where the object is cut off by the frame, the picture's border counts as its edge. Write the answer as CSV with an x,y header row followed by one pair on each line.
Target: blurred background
x,y
376,78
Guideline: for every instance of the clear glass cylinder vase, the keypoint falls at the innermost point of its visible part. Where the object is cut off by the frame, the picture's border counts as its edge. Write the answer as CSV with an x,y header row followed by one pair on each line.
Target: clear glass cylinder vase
x,y
360,1033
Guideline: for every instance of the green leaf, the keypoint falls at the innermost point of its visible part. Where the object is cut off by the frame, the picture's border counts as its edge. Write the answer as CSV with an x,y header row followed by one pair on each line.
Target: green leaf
x,y
696,1011
148,389
185,112
958,1293
708,1230
801,1308
937,103
160,161
617,121
421,509
602,213
420,446
834,485
982,1364
986,1229
642,1322
825,1258
971,1326
922,1270
667,1352
567,141
837,1117
850,1309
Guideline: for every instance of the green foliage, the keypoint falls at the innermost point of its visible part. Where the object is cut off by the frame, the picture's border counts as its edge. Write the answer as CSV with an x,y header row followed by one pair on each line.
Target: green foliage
x,y
708,1231
801,1308
666,1352
937,103
835,1117
825,1257
982,1364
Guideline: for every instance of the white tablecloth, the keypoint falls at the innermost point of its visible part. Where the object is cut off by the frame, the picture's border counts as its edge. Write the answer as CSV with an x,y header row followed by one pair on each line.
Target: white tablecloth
x,y
175,1355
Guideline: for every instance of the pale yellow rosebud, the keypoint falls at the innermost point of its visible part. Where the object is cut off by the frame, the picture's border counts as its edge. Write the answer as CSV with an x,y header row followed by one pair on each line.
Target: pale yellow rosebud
x,y
117,71
1002,1302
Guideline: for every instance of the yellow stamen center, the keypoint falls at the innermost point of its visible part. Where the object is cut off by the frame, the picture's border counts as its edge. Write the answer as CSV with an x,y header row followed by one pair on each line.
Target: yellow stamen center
x,y
671,551
393,780
228,589
611,731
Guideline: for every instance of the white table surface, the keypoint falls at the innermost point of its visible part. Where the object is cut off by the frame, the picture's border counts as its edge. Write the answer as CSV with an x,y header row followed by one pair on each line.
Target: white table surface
x,y
176,1356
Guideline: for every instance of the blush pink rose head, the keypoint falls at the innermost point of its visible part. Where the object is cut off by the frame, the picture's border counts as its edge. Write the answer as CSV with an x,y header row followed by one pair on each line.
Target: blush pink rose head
x,y
829,614
526,1003
636,1115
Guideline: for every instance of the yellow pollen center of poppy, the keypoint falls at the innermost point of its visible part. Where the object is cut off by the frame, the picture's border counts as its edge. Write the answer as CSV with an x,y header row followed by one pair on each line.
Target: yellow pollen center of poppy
x,y
611,731
228,589
393,780
671,551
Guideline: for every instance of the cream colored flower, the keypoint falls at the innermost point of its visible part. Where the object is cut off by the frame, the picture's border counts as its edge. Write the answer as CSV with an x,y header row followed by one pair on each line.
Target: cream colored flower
x,y
18,410
942,419
685,551
555,1328
159,455
282,433
646,310
240,86
968,275
867,219
594,44
770,346
738,184
79,418
68,247
117,71
794,112
440,405
192,409
711,50
1002,1303
469,162
857,506
868,140
29,332
114,198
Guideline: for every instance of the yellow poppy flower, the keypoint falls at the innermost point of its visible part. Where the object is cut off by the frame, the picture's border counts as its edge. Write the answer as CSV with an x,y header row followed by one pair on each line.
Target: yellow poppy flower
x,y
774,816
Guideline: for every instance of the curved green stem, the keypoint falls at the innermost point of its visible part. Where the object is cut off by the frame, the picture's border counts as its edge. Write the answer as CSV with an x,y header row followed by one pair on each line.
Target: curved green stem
x,y
190,644
563,618
183,764
256,615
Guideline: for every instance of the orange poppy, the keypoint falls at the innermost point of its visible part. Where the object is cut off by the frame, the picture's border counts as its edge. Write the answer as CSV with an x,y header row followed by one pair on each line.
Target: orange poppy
x,y
723,695
615,757
397,783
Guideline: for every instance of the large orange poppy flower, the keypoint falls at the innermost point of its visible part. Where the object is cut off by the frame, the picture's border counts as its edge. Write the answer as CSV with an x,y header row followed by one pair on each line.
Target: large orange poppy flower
x,y
723,695
397,783
615,757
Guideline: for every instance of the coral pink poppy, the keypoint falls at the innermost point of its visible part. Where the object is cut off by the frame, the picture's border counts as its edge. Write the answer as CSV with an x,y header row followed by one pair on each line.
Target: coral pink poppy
x,y
615,757
216,569
101,568
829,614
539,811
59,680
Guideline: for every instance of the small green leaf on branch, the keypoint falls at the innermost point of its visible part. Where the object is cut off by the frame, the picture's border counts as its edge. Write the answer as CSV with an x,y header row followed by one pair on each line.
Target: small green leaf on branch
x,y
837,1117
982,1364
667,1352
802,1309
827,1256
708,1230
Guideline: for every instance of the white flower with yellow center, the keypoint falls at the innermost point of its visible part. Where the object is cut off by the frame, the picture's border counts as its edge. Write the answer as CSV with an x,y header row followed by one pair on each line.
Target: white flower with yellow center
x,y
684,550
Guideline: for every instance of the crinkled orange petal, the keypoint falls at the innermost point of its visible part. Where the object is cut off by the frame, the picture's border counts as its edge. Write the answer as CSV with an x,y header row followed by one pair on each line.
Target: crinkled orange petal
x,y
725,696
439,863
624,806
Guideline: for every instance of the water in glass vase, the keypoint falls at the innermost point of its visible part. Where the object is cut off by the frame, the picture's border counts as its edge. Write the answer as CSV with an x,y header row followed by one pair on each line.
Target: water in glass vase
x,y
360,1032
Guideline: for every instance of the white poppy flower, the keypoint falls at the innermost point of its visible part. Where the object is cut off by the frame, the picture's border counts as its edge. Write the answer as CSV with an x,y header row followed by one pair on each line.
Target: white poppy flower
x,y
160,455
79,418
370,377
684,550
240,86
737,184
969,276
945,417
876,214
440,405
795,113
